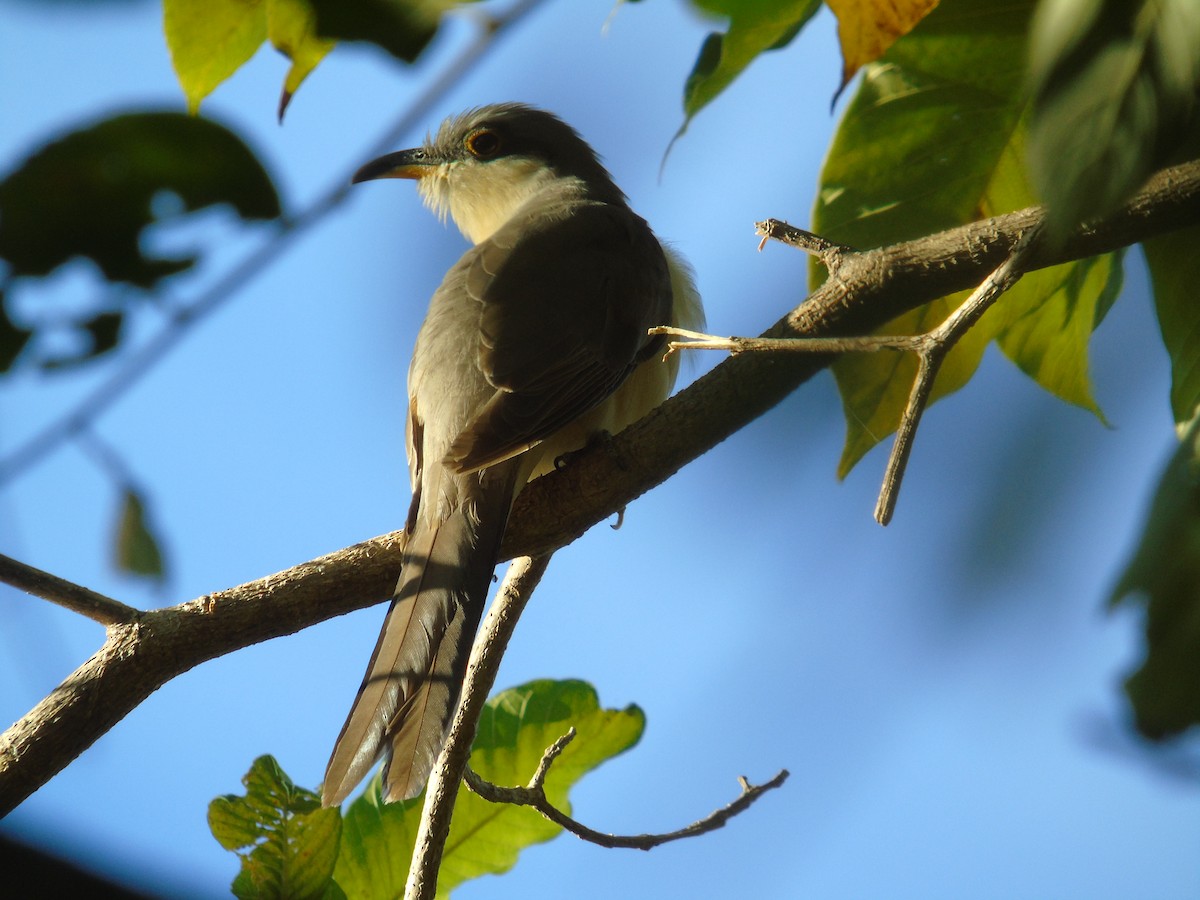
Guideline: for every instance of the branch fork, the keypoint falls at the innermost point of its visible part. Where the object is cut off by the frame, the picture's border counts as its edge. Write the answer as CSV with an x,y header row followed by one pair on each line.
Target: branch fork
x,y
930,347
533,795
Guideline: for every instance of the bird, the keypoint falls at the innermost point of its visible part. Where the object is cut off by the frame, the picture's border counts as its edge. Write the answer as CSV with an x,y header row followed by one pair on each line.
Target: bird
x,y
534,343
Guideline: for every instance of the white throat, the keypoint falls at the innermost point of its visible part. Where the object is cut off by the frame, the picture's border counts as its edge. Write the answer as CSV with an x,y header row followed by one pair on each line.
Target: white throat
x,y
481,197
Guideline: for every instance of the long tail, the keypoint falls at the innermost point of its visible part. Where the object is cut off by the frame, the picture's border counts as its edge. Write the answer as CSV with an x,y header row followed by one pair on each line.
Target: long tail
x,y
415,676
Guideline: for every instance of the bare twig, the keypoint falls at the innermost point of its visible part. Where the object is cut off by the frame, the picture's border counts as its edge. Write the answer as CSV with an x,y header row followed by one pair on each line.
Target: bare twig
x,y
141,361
697,340
519,583
78,599
931,347
932,353
533,795
827,251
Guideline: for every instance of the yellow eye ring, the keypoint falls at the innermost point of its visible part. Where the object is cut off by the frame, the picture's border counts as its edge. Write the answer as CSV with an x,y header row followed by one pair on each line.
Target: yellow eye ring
x,y
483,144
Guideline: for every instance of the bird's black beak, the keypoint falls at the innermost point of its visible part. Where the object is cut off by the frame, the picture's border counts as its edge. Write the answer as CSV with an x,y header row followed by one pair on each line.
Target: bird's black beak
x,y
415,163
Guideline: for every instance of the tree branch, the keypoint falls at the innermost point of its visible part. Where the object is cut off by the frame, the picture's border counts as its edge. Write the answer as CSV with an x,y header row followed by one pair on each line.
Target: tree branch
x,y
534,795
873,287
105,610
497,629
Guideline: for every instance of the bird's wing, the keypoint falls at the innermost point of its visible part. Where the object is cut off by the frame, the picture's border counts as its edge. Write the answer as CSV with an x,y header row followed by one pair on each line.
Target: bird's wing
x,y
566,294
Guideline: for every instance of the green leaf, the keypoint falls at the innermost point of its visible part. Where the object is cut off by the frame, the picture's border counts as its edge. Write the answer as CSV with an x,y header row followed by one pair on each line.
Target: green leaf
x,y
401,27
1115,86
755,26
13,338
287,842
209,40
89,193
1164,575
516,728
291,26
934,139
1175,272
137,549
514,731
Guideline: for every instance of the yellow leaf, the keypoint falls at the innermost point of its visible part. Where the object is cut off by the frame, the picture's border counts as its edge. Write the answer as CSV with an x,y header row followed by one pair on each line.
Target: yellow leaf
x,y
866,28
291,28
209,40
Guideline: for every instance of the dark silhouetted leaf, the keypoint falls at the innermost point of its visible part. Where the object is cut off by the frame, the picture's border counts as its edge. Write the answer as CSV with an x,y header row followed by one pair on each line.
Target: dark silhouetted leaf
x,y
13,338
1115,93
103,333
89,193
1164,574
401,27
1174,265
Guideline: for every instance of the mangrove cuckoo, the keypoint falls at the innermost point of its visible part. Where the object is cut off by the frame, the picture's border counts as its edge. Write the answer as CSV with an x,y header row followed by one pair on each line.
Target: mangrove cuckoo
x,y
534,342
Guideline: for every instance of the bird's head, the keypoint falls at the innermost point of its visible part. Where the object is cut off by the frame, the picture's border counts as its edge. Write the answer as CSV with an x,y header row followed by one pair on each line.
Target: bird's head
x,y
484,164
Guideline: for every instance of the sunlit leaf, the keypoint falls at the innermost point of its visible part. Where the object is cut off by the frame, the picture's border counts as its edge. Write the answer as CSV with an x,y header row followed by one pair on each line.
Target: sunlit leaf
x,y
291,26
1164,576
287,843
754,27
209,40
90,193
934,139
1174,265
485,838
137,549
514,732
1115,92
866,28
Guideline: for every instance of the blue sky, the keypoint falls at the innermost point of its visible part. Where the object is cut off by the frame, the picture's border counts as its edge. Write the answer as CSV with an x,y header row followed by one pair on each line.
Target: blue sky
x,y
944,691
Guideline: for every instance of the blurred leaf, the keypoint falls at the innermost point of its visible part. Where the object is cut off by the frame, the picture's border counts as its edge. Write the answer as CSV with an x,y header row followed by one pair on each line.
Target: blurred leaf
x,y
754,27
288,844
1175,272
13,338
934,139
103,333
401,27
866,28
485,838
209,40
1164,574
137,548
1115,86
89,193
291,26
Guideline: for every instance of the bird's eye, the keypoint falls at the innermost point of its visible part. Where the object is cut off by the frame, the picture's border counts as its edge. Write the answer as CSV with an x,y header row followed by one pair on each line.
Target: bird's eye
x,y
483,144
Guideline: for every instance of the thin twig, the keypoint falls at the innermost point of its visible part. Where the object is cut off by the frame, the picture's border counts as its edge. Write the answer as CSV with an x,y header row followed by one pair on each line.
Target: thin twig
x,y
523,576
533,795
71,596
698,340
932,351
827,251
931,347
141,361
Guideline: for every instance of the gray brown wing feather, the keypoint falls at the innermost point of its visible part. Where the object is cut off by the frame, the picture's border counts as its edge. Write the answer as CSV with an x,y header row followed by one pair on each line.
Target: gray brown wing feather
x,y
564,310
